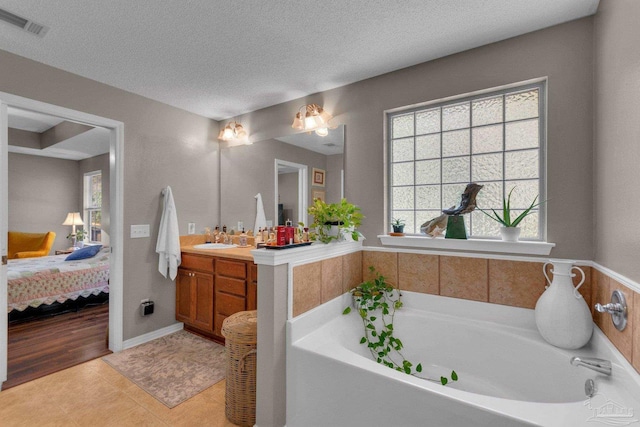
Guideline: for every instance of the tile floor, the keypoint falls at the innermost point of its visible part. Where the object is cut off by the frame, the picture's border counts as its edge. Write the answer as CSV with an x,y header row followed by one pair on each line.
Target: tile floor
x,y
94,394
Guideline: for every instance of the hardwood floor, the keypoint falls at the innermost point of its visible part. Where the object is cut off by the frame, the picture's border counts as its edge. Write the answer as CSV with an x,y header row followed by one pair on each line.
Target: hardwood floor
x,y
41,347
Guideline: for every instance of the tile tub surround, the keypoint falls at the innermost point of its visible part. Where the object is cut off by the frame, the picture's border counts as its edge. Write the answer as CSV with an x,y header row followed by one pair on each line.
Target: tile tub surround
x,y
507,282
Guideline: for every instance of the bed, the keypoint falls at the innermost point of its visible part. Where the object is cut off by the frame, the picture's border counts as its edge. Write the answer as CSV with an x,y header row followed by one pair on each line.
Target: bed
x,y
38,282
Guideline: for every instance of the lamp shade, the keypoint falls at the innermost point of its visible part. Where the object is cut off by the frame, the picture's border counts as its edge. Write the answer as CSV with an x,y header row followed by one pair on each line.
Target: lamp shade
x,y
73,218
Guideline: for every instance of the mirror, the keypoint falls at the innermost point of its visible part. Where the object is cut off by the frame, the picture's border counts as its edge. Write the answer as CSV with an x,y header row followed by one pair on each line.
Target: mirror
x,y
287,171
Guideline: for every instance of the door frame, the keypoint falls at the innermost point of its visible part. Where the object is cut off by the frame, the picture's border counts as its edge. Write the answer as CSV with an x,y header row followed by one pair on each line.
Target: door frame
x,y
116,168
303,191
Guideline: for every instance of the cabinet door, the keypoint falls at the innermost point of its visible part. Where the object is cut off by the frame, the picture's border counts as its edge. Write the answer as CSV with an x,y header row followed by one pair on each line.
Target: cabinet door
x,y
202,301
183,295
252,288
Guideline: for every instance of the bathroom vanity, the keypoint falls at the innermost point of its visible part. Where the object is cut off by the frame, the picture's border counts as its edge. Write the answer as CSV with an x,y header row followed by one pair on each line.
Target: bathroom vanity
x,y
213,285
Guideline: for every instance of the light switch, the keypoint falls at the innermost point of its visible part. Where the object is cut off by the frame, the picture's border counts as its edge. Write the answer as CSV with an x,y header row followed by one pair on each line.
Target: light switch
x,y
138,231
191,228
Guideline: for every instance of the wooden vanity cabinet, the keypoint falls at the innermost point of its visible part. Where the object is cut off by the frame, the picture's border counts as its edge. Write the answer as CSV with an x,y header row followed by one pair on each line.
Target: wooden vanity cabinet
x,y
195,292
209,289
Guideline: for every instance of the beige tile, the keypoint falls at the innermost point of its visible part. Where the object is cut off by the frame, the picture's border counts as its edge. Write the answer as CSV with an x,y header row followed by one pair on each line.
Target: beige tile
x,y
600,294
635,356
331,278
464,278
515,283
418,273
385,263
622,340
112,408
351,271
307,287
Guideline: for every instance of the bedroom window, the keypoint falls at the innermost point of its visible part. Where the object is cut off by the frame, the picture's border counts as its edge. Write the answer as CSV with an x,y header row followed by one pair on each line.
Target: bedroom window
x,y
495,139
93,205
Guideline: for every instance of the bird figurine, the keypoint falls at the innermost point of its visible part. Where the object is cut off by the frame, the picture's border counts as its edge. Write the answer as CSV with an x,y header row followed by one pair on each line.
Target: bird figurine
x,y
467,202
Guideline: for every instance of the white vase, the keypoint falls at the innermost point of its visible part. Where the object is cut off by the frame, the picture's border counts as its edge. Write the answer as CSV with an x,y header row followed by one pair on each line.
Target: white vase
x,y
562,316
510,234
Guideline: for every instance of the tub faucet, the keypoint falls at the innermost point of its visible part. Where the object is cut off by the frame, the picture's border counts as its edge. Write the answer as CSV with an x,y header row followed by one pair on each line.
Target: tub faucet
x,y
599,365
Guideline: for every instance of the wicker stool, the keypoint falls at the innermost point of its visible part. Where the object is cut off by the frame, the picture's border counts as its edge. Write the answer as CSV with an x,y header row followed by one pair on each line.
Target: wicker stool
x,y
240,332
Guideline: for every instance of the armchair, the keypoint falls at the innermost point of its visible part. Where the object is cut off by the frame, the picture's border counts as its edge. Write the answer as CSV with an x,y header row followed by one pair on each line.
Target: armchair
x,y
29,245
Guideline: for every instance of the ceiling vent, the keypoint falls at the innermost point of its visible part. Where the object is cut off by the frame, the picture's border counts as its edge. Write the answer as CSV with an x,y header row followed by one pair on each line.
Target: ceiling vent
x,y
23,23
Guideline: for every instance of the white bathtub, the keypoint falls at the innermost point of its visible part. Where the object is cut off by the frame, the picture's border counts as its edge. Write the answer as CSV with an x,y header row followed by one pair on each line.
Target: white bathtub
x,y
508,375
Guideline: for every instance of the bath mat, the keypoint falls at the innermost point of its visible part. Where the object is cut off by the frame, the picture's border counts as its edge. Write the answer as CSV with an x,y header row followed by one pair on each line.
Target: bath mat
x,y
173,368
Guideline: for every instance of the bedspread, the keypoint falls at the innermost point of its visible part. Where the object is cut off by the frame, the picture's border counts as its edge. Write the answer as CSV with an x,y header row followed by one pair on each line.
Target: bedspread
x,y
36,281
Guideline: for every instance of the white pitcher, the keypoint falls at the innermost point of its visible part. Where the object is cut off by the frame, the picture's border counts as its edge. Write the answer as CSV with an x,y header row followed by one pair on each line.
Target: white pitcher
x,y
562,315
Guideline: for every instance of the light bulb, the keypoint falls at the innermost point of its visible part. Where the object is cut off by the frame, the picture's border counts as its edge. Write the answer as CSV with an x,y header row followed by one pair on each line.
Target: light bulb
x,y
322,132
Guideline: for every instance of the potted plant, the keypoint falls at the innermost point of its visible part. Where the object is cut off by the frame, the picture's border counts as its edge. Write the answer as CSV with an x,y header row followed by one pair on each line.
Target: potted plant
x,y
509,230
398,226
333,220
77,239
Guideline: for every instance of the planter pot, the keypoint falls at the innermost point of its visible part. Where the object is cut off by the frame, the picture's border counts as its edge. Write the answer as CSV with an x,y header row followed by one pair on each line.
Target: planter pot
x,y
510,234
398,228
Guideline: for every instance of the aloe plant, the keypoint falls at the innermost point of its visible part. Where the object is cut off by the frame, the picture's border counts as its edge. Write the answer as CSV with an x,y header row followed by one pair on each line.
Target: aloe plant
x,y
505,220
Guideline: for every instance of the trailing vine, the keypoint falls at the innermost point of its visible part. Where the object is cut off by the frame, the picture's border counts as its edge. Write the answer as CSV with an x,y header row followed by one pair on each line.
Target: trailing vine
x,y
376,302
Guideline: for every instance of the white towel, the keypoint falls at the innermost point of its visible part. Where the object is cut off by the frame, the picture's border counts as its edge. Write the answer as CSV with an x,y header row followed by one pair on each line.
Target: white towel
x,y
168,245
261,219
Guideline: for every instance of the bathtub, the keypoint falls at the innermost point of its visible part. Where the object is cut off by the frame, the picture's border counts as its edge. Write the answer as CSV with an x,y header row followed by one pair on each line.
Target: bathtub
x,y
508,375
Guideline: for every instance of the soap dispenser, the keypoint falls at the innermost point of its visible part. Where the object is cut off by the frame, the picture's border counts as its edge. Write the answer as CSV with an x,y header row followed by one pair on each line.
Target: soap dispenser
x,y
243,239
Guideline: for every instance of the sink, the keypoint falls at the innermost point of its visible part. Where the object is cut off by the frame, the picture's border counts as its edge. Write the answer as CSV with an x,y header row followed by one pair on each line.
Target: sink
x,y
214,246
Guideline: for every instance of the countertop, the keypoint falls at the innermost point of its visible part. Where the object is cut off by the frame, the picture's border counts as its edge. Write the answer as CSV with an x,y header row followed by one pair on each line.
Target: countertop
x,y
236,253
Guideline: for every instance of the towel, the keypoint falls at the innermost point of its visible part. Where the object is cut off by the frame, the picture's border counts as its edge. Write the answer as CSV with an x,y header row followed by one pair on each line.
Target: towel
x,y
168,245
261,219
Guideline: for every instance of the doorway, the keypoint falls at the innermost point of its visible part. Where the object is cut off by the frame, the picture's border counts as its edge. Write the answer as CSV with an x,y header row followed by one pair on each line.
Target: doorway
x,y
296,187
116,141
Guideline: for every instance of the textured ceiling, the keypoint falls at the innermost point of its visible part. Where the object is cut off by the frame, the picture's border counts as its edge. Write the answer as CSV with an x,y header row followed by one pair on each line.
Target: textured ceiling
x,y
223,58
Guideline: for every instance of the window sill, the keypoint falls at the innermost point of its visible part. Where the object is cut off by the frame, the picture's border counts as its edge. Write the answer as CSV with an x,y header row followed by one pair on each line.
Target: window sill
x,y
469,245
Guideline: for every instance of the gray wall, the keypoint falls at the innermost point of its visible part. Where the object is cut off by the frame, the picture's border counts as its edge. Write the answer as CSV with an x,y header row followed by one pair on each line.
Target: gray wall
x,y
617,132
42,191
564,53
288,195
333,177
162,146
98,163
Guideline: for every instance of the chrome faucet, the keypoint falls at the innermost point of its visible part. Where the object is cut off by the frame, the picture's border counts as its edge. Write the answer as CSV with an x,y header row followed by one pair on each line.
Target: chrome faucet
x,y
599,365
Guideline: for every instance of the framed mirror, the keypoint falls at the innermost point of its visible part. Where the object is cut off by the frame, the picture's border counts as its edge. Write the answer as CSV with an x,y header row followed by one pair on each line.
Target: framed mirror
x,y
273,168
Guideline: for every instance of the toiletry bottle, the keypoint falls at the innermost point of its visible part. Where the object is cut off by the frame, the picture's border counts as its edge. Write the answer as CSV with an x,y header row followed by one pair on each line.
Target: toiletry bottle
x,y
243,239
207,235
305,235
258,238
216,234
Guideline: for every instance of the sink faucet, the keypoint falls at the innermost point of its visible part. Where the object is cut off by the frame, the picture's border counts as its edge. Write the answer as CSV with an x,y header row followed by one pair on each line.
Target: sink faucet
x,y
599,365
222,237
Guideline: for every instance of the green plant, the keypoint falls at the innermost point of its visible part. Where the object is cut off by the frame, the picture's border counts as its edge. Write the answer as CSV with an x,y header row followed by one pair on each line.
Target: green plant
x,y
397,222
80,235
505,220
376,302
346,216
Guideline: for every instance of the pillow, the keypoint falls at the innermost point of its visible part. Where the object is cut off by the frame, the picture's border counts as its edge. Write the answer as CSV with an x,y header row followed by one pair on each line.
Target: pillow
x,y
86,252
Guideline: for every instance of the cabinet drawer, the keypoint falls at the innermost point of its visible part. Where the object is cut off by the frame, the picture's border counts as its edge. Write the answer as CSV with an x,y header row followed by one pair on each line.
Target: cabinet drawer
x,y
227,305
230,268
197,262
230,286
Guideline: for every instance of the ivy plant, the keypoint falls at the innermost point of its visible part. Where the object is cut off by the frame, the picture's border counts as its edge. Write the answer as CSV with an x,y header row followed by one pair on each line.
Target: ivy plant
x,y
376,301
346,216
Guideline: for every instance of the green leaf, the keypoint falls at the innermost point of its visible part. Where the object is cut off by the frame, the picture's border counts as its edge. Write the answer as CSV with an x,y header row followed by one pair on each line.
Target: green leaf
x,y
363,340
347,310
443,380
374,333
454,376
363,313
407,370
419,367
373,318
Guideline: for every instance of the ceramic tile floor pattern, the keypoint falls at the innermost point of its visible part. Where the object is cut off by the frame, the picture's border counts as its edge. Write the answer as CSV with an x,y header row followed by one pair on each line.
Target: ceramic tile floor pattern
x,y
94,394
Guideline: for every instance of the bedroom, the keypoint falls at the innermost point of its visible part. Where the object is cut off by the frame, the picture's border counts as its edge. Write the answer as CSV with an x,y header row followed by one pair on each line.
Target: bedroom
x,y
57,167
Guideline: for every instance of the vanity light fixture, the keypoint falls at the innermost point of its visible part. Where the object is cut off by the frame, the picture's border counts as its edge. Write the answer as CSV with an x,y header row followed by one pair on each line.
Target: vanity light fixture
x,y
312,117
233,131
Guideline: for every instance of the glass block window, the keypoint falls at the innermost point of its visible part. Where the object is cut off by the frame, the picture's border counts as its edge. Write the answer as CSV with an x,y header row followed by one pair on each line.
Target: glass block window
x,y
495,139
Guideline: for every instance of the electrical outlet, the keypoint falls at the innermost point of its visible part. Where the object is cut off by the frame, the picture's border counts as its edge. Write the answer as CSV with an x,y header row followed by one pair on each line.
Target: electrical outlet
x,y
240,225
138,231
192,228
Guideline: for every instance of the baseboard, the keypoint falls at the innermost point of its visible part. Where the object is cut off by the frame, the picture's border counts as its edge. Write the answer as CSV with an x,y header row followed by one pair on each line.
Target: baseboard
x,y
149,336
